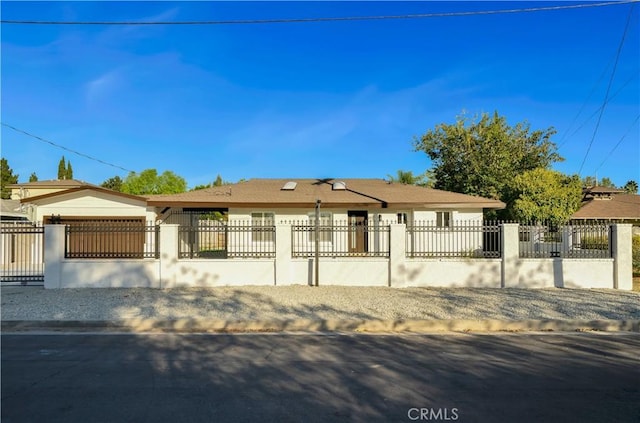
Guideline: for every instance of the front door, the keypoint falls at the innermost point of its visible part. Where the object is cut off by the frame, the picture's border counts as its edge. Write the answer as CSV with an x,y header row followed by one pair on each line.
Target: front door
x,y
358,239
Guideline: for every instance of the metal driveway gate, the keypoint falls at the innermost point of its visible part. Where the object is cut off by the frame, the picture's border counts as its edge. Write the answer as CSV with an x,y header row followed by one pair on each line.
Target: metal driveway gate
x,y
22,254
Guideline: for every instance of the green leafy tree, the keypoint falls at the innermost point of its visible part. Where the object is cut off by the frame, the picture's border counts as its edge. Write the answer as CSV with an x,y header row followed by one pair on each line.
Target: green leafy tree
x,y
545,195
482,156
62,169
6,178
591,181
149,182
218,182
33,177
407,177
631,187
114,183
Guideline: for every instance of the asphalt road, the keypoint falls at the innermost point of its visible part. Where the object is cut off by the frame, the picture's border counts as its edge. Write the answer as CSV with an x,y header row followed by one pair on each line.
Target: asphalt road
x,y
578,377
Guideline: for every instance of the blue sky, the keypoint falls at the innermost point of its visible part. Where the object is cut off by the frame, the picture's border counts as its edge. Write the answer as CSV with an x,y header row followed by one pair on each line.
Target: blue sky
x,y
320,99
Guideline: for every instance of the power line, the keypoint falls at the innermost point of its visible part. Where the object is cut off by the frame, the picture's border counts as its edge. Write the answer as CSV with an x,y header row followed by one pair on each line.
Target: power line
x,y
334,19
63,147
606,96
614,95
618,143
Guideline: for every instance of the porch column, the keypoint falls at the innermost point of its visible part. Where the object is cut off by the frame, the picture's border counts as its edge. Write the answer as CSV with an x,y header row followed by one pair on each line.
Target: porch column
x,y
53,255
168,255
622,260
397,255
510,255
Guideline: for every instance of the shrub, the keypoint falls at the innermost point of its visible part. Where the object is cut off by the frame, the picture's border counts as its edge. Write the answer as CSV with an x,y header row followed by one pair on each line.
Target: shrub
x,y
594,242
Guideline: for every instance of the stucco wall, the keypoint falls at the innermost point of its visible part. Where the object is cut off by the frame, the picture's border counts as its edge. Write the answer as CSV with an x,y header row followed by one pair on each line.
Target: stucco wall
x,y
94,204
563,273
224,272
108,274
477,273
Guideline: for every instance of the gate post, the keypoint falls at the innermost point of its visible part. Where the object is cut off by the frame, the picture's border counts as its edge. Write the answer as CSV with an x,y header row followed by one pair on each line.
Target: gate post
x,y
397,254
283,261
510,254
169,239
53,255
622,261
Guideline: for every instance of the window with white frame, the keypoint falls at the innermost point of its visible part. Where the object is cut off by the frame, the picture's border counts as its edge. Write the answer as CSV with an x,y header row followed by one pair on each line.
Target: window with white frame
x,y
403,217
261,226
326,227
443,219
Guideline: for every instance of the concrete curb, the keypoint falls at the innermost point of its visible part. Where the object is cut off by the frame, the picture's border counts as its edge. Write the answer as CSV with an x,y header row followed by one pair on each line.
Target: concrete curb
x,y
301,325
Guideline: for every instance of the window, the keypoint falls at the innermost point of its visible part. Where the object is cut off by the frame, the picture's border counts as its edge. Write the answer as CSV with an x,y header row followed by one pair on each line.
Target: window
x,y
326,227
443,219
402,217
262,226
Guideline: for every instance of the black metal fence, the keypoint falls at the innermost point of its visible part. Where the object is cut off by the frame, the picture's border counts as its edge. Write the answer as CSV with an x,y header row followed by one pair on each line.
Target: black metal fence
x,y
565,241
341,239
133,240
22,254
470,239
220,239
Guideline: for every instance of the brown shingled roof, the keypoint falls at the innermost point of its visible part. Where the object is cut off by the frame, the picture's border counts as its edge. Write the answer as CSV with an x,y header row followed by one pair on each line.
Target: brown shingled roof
x,y
618,207
358,192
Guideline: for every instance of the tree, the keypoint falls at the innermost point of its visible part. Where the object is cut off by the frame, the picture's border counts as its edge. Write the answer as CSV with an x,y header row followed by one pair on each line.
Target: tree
x,y
62,169
149,182
545,195
114,184
6,178
65,171
217,183
591,181
631,187
33,177
406,177
69,171
482,156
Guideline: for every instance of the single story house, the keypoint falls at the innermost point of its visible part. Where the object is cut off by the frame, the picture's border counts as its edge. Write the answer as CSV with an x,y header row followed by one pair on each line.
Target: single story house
x,y
67,201
256,200
339,200
605,204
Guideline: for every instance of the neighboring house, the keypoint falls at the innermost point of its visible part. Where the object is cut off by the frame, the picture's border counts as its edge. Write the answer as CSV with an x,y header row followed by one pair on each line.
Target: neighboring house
x,y
339,200
67,201
12,211
20,191
609,205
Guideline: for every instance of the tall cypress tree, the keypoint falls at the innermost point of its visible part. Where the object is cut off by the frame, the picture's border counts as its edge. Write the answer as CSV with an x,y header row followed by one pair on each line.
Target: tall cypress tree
x,y
62,169
69,171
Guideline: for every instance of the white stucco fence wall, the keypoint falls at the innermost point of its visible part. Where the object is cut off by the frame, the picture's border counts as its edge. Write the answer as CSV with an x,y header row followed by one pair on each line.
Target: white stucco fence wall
x,y
396,271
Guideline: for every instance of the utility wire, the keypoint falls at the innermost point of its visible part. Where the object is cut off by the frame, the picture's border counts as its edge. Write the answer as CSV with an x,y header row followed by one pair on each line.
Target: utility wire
x,y
344,18
618,143
606,96
64,148
614,95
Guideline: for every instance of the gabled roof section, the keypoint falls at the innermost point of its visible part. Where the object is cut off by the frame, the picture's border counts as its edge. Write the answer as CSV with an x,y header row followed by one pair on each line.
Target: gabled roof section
x,y
88,187
619,207
54,183
357,193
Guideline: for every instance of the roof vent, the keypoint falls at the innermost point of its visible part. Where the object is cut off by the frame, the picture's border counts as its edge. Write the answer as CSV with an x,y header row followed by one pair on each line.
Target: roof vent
x,y
289,186
339,186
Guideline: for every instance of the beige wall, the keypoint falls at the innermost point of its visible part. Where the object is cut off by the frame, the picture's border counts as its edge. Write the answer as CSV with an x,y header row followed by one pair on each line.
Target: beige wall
x,y
91,204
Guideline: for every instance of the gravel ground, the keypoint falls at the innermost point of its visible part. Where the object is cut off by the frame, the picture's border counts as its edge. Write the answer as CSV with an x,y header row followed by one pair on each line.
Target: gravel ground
x,y
321,303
